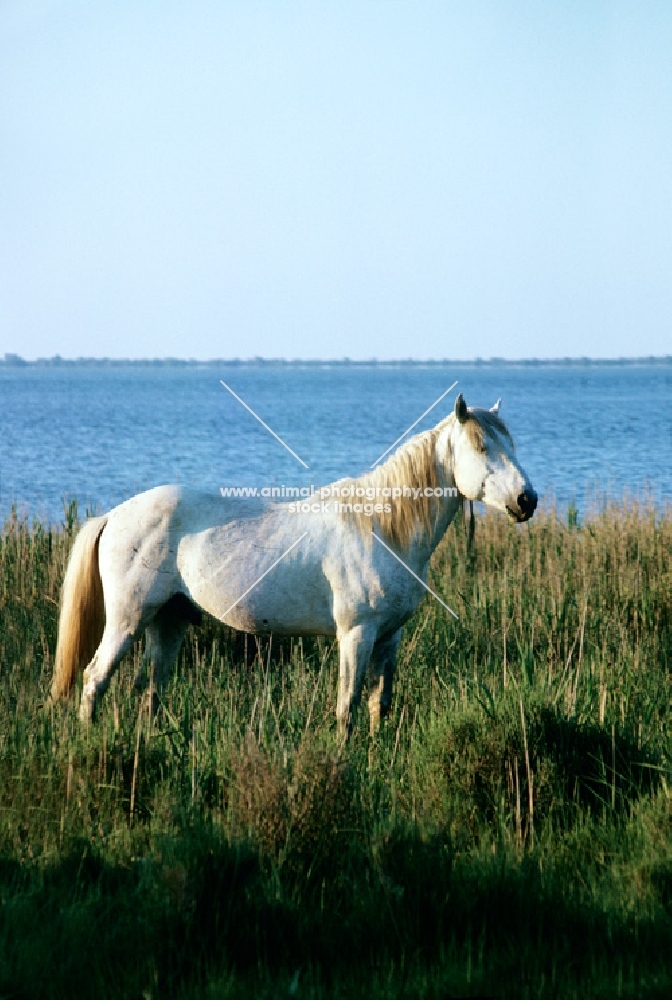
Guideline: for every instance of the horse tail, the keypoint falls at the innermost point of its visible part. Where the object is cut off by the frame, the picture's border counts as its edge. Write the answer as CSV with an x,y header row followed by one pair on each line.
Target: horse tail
x,y
82,618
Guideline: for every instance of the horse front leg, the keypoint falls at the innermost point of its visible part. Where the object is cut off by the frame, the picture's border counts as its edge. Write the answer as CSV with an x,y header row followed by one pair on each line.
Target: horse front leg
x,y
354,649
383,663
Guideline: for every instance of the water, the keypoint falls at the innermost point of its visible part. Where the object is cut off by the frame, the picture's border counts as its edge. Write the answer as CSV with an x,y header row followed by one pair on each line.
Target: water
x,y
103,434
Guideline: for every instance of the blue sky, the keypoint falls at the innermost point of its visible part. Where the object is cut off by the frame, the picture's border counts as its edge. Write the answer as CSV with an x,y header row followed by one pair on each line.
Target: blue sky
x,y
324,179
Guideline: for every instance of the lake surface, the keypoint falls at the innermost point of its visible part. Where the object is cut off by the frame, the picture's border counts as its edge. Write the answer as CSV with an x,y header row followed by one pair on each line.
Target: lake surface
x,y
103,434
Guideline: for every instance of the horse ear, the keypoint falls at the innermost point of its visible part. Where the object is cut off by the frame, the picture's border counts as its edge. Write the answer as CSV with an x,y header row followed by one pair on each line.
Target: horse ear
x,y
495,408
461,408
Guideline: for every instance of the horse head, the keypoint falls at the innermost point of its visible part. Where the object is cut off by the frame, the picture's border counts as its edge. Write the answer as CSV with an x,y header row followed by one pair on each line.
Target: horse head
x,y
484,464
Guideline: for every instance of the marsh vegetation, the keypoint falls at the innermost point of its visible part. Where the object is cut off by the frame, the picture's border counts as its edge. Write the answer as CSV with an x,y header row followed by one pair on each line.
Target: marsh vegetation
x,y
507,833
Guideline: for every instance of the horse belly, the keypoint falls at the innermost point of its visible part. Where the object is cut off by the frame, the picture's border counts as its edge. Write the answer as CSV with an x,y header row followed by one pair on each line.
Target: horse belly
x,y
237,586
284,607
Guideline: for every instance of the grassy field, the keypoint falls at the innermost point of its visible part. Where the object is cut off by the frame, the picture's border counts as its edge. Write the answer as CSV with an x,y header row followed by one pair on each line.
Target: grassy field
x,y
507,834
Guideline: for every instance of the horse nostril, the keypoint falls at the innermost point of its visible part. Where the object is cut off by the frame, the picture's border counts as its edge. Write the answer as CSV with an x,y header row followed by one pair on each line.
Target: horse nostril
x,y
528,502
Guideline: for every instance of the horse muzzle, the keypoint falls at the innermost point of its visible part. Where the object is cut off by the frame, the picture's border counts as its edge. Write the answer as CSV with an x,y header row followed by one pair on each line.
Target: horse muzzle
x,y
526,504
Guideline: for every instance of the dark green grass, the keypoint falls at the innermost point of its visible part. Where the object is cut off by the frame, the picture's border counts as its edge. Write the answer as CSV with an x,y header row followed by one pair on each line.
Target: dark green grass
x,y
508,833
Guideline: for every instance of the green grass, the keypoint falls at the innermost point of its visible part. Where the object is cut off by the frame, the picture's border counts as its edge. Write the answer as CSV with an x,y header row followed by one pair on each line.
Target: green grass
x,y
508,833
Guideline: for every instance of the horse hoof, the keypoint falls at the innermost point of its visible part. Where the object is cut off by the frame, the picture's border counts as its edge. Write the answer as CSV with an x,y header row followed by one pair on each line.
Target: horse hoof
x,y
86,711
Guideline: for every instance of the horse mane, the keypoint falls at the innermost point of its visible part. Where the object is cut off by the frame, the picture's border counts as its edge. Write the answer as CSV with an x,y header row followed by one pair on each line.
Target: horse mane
x,y
413,465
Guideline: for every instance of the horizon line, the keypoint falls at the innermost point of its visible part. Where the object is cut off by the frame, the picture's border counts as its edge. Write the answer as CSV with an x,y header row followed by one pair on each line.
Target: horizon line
x,y
13,360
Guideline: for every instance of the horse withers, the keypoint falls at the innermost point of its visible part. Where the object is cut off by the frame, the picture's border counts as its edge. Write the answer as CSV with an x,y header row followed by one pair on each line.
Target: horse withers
x,y
315,568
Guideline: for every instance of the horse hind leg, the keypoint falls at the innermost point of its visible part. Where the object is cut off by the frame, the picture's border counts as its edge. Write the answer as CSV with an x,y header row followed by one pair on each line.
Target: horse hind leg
x,y
113,646
125,622
164,637
165,633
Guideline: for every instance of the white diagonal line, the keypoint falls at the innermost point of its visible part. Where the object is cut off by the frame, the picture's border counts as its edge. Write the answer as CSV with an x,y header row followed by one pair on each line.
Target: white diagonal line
x,y
428,410
429,589
270,431
265,573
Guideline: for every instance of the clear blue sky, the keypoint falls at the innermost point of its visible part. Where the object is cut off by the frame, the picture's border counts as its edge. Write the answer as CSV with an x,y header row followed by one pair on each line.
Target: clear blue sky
x,y
381,178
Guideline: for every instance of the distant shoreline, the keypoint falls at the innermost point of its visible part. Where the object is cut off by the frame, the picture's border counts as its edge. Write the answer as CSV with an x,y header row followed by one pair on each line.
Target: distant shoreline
x,y
16,361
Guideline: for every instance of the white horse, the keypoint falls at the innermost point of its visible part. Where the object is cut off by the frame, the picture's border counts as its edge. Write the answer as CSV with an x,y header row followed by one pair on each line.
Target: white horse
x,y
303,568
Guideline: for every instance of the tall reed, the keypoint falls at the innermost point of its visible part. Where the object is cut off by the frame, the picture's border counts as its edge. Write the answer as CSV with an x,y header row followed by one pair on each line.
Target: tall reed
x,y
508,832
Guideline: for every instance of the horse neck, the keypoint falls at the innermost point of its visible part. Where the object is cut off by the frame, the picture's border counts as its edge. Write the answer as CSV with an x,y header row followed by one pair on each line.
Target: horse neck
x,y
449,505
